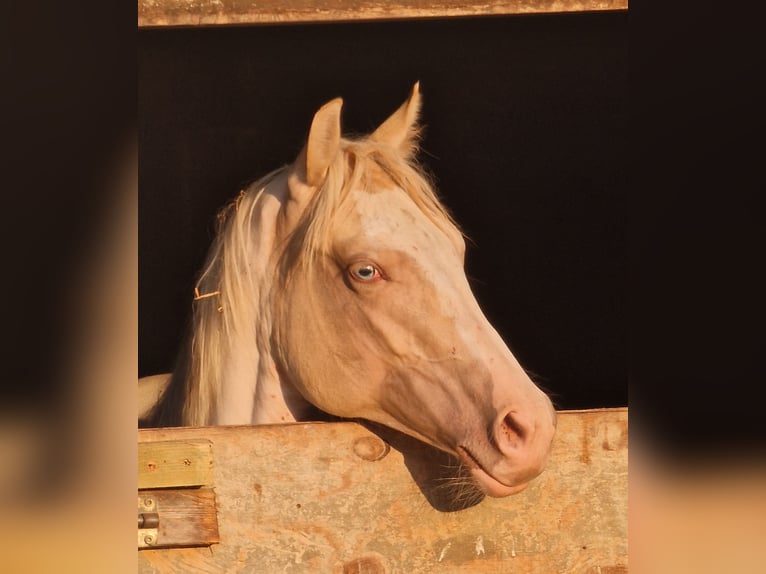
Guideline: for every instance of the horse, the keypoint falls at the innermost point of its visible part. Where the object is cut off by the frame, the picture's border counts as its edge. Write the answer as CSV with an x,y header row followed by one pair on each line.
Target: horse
x,y
337,283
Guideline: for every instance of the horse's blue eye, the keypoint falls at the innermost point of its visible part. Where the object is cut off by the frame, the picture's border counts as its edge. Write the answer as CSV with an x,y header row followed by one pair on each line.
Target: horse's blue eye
x,y
365,272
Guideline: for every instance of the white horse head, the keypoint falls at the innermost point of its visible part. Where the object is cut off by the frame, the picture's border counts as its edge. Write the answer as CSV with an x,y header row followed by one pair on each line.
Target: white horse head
x,y
338,281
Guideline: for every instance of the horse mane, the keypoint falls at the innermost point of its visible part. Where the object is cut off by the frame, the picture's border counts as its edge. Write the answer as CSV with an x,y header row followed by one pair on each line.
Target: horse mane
x,y
232,308
227,281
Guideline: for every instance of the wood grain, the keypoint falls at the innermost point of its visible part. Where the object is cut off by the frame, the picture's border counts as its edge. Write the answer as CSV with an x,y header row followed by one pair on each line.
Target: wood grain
x,y
155,13
300,498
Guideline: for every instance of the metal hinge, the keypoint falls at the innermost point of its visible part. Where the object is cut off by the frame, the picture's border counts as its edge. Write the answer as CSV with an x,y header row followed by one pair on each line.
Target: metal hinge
x,y
148,521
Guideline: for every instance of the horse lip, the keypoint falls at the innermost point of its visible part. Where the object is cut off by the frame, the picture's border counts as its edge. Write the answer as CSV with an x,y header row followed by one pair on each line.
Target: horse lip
x,y
485,481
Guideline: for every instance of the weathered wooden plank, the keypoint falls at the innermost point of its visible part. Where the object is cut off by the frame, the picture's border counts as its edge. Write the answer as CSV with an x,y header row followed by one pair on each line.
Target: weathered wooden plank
x,y
153,13
319,497
175,463
187,517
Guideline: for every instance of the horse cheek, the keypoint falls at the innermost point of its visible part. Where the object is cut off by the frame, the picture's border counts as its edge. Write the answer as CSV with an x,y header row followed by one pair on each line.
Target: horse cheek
x,y
319,347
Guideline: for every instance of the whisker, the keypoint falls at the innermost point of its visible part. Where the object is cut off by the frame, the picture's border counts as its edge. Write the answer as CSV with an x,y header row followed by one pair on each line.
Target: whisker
x,y
458,486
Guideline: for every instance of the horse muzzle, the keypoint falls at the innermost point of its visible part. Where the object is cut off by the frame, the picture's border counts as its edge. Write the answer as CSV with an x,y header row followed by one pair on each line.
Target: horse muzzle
x,y
516,451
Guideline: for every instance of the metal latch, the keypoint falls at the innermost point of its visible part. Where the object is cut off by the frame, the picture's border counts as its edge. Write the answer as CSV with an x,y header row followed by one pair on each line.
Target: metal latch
x,y
148,521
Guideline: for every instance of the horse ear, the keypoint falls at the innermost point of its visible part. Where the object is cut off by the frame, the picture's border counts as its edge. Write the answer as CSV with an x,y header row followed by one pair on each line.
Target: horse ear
x,y
401,129
323,142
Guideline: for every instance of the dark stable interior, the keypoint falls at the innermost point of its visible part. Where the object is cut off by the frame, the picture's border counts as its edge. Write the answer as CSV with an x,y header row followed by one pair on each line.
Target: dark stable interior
x,y
525,134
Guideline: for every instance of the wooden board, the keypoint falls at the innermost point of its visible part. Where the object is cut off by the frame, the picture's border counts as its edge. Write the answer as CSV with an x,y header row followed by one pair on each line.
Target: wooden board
x,y
188,516
332,498
187,462
153,13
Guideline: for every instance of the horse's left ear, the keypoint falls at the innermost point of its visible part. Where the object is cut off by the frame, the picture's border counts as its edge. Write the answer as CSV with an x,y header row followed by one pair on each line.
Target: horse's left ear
x,y
401,129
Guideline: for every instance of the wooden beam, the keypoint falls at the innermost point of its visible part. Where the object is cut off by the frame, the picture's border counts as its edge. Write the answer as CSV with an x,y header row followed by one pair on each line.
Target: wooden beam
x,y
158,13
330,497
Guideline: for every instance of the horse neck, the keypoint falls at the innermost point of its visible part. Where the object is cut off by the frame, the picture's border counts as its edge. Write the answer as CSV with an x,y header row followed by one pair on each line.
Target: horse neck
x,y
250,389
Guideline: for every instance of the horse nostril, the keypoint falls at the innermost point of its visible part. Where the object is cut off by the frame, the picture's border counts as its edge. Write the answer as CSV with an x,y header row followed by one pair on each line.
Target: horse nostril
x,y
510,433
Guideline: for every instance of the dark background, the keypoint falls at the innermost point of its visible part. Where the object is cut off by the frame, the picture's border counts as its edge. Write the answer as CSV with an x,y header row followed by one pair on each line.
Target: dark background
x,y
525,134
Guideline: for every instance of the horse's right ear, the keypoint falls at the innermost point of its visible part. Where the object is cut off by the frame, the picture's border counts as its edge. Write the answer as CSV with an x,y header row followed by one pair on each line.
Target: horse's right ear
x,y
323,143
309,170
